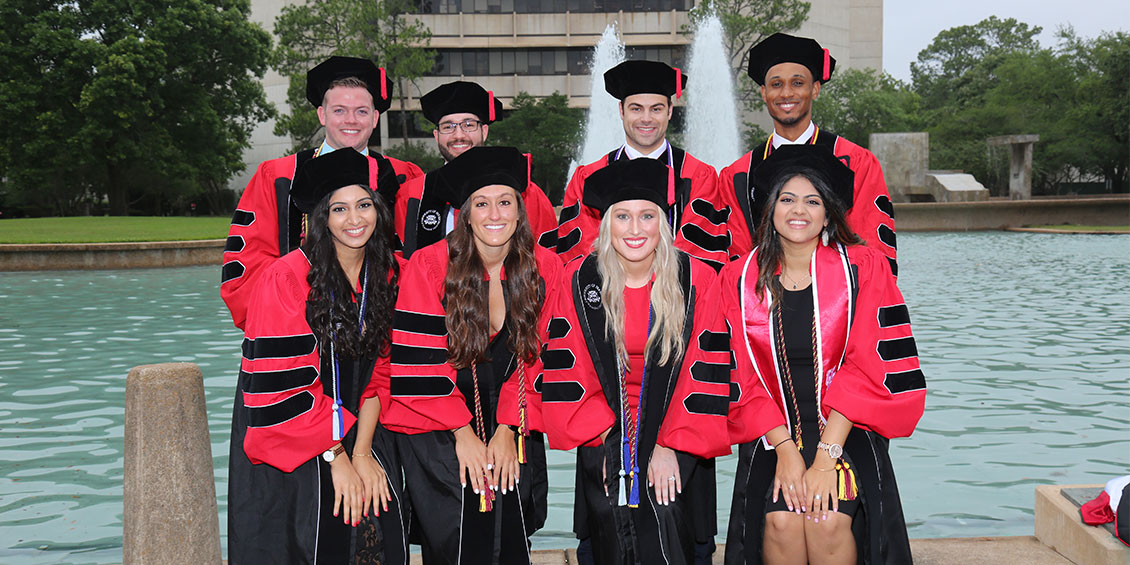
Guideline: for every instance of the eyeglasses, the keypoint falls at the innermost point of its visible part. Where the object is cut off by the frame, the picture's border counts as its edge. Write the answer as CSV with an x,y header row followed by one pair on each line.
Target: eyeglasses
x,y
469,125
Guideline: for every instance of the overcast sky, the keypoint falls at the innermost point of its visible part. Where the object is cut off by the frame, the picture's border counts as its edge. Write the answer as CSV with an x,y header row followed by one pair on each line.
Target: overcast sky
x,y
910,25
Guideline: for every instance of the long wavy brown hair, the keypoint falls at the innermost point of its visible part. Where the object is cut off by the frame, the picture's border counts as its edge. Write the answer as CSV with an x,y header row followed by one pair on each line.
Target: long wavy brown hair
x,y
769,249
467,301
332,303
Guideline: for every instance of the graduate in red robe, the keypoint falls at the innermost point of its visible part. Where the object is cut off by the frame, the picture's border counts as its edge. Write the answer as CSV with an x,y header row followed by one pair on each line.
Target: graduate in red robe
x,y
616,352
465,384
790,71
462,113
313,476
644,89
825,373
350,94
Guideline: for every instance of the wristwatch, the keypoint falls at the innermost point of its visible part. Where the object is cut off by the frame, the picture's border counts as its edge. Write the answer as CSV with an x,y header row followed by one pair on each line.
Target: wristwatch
x,y
333,453
835,450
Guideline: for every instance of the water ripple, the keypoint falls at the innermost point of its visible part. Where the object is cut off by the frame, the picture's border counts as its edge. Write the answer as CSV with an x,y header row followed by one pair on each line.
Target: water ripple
x,y
1023,339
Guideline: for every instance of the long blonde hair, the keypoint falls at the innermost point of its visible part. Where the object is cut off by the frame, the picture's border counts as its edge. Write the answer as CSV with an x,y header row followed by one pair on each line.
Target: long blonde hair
x,y
667,299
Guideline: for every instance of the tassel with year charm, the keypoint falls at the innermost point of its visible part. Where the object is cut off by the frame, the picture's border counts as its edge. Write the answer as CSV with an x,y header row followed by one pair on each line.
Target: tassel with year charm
x,y
486,498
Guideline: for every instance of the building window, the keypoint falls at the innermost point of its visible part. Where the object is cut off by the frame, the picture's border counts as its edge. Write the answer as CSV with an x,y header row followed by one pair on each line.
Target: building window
x,y
552,61
547,6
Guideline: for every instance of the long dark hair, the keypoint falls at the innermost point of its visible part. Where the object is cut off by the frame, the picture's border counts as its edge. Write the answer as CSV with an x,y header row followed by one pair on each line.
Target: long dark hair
x,y
769,249
332,293
467,299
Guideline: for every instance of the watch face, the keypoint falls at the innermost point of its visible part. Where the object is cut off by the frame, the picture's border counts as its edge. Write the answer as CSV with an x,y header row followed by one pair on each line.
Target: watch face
x,y
328,455
835,451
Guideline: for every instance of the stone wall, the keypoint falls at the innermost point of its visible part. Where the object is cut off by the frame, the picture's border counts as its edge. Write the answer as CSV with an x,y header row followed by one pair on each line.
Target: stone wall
x,y
79,256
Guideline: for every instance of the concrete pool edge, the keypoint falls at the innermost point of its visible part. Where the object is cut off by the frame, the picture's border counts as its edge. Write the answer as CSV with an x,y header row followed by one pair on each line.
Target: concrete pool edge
x,y
124,255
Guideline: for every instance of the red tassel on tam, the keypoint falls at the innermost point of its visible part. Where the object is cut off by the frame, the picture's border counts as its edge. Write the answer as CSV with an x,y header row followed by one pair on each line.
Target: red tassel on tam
x,y
679,82
384,85
827,66
529,167
490,106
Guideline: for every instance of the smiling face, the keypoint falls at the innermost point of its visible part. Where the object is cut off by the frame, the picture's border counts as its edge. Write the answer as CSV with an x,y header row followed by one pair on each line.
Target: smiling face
x,y
634,226
492,212
645,119
788,93
348,115
352,217
452,145
798,213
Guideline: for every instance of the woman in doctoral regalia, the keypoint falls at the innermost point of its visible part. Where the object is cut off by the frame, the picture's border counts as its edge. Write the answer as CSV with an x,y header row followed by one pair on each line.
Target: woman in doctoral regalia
x,y
825,373
616,352
313,476
466,338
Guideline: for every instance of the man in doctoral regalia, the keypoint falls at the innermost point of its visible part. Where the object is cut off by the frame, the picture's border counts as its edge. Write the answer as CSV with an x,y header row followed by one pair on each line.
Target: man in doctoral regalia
x,y
791,71
462,113
644,89
350,94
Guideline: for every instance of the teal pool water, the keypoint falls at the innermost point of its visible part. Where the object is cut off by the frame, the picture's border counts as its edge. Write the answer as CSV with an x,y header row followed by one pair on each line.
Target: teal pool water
x,y
1024,339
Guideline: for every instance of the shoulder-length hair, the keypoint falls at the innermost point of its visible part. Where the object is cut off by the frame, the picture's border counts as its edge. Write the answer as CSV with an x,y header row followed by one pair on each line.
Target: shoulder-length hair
x,y
769,249
667,300
467,299
331,306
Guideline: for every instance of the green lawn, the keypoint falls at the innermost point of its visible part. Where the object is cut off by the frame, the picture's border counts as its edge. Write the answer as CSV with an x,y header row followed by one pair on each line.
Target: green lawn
x,y
1072,227
86,229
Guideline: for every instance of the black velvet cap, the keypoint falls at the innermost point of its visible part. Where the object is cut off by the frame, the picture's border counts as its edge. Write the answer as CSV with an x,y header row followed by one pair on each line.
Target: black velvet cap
x,y
322,175
784,48
644,77
478,167
318,80
813,160
635,179
460,97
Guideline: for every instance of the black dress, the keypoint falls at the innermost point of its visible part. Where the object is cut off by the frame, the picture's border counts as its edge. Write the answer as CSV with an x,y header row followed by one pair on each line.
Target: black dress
x,y
453,530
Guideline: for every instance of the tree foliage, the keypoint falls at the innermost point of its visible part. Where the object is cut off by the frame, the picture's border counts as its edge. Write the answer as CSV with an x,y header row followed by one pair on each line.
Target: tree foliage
x,y
993,78
547,128
745,23
380,30
864,101
145,106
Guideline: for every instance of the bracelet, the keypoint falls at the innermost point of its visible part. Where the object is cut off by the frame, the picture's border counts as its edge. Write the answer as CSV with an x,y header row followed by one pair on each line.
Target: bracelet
x,y
826,470
781,442
356,455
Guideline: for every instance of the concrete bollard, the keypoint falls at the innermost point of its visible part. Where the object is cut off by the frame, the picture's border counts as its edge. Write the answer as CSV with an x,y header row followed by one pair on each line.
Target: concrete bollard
x,y
170,491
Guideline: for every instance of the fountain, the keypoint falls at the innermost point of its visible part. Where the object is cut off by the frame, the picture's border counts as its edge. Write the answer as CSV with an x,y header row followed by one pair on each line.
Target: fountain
x,y
711,117
603,129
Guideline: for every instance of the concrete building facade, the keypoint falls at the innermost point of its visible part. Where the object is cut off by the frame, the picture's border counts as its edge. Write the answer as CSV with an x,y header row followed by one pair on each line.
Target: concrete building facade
x,y
543,46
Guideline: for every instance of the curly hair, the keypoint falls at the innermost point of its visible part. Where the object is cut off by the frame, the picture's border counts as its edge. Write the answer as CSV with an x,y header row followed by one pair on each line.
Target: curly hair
x,y
467,302
769,249
333,302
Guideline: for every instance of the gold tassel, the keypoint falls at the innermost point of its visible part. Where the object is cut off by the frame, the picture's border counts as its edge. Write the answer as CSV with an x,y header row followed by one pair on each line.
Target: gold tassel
x,y
848,490
486,499
521,448
799,443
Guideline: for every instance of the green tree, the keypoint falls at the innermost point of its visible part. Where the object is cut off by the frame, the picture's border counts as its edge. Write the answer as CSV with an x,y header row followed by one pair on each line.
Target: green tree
x,y
745,23
143,105
958,64
550,130
381,30
1100,113
864,101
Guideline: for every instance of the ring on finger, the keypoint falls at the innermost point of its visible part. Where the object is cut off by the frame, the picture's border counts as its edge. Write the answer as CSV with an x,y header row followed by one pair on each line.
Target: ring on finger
x,y
791,487
817,497
672,479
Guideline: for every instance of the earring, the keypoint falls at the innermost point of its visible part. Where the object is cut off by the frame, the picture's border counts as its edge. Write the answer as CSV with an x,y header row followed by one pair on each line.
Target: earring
x,y
824,236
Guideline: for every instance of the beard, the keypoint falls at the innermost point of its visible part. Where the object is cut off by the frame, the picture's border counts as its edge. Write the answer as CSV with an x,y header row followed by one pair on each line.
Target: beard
x,y
790,121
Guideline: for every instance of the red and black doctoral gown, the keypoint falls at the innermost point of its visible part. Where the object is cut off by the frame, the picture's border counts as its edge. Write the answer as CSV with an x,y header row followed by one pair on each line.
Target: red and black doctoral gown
x,y
868,370
421,217
580,400
872,215
429,398
267,225
282,423
700,228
